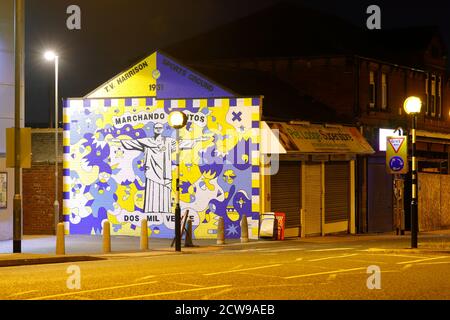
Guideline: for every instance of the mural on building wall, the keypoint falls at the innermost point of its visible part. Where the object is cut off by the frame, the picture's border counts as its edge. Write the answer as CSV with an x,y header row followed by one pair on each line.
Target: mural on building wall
x,y
119,164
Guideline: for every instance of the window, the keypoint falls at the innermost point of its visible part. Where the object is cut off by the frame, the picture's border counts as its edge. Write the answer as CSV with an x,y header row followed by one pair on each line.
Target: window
x,y
372,90
384,91
435,52
427,95
433,96
439,97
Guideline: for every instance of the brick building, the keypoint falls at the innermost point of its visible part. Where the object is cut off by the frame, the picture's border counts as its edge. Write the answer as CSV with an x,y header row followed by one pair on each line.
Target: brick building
x,y
364,76
39,184
316,69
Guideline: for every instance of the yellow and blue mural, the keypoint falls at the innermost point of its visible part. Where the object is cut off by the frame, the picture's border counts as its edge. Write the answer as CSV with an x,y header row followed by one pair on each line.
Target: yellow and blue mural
x,y
119,165
120,161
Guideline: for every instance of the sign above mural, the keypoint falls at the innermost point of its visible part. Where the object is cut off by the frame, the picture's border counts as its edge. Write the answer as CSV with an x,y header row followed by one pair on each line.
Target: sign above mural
x,y
161,77
319,139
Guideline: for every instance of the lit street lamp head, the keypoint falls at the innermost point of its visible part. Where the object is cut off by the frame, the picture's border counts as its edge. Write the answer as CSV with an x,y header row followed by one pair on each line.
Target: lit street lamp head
x,y
50,55
412,105
177,119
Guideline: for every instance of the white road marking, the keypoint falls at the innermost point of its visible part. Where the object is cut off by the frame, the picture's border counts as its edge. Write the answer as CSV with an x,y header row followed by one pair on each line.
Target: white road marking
x,y
421,260
22,293
407,266
260,275
283,249
144,278
368,261
89,291
216,294
323,273
397,255
299,259
170,292
331,249
334,257
186,284
287,249
236,267
161,275
332,277
239,270
434,263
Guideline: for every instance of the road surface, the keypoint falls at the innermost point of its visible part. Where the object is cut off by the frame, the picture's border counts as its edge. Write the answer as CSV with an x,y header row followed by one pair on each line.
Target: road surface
x,y
282,270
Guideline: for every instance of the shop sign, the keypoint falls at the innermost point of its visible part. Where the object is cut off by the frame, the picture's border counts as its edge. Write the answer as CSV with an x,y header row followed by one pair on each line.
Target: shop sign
x,y
320,139
161,77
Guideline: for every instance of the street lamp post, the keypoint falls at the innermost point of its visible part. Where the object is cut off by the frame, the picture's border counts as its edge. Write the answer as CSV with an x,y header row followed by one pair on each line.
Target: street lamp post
x,y
51,56
19,36
177,120
412,106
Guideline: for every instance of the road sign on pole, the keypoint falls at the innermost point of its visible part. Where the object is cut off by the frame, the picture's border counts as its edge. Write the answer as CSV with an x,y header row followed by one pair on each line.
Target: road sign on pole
x,y
397,155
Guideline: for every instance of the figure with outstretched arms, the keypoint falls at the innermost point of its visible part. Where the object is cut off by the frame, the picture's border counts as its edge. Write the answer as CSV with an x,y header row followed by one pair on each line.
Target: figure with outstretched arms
x,y
158,167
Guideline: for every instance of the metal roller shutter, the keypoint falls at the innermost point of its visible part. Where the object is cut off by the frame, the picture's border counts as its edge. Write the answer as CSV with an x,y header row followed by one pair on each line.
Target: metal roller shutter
x,y
286,192
313,198
337,191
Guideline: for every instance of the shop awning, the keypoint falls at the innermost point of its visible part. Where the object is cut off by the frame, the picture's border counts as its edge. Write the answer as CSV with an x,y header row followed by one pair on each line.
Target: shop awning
x,y
270,143
317,139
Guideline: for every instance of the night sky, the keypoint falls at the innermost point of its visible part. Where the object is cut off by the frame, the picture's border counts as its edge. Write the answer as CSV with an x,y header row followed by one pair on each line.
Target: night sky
x,y
116,33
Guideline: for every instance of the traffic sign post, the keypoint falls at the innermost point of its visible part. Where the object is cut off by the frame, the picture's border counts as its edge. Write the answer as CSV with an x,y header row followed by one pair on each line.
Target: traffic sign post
x,y
397,164
397,155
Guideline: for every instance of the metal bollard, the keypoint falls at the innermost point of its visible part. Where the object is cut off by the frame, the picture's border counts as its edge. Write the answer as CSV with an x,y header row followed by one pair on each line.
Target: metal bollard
x,y
244,229
106,237
188,238
302,223
60,239
144,235
221,232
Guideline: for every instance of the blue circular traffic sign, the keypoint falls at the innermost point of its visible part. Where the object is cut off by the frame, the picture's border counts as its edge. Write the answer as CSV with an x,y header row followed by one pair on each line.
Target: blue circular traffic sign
x,y
396,163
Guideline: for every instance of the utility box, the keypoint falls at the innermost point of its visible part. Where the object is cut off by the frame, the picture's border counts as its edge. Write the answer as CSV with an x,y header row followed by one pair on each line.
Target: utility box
x,y
25,148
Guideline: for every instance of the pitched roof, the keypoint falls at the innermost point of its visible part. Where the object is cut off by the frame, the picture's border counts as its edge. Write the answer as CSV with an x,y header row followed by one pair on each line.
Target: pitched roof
x,y
404,45
284,29
289,30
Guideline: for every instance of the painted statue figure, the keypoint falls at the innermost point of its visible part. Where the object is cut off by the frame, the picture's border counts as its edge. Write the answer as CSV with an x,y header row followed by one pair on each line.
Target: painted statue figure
x,y
158,167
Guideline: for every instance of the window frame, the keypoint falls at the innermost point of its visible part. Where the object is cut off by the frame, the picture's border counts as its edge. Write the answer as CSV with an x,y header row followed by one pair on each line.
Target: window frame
x,y
427,95
433,95
372,90
384,91
439,96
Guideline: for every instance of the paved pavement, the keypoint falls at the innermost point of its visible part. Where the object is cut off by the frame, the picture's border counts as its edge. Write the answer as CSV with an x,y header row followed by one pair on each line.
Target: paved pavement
x,y
84,244
296,269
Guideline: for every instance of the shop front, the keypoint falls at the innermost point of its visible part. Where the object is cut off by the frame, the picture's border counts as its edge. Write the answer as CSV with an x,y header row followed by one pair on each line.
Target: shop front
x,y
315,183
